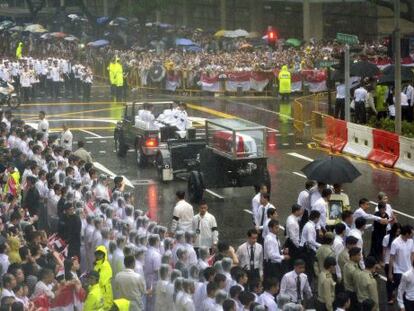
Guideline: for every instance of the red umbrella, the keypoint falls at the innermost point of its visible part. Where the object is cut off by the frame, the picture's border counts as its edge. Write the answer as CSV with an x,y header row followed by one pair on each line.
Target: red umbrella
x,y
58,34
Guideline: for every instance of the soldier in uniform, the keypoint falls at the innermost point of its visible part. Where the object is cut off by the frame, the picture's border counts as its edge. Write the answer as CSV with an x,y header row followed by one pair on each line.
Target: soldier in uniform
x,y
342,259
349,274
326,285
324,251
366,285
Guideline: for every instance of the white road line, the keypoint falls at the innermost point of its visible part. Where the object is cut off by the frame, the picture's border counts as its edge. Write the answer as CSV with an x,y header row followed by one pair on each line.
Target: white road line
x,y
263,109
214,194
382,277
102,168
102,141
396,211
91,133
299,174
299,156
89,137
81,120
285,144
248,212
89,142
102,151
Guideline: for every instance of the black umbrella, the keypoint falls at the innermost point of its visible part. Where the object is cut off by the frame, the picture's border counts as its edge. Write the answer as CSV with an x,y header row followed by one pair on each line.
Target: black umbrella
x,y
157,73
331,170
406,73
364,69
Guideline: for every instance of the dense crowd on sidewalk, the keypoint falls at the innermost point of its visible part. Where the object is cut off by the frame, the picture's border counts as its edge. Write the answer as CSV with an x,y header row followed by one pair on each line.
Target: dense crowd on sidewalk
x,y
72,238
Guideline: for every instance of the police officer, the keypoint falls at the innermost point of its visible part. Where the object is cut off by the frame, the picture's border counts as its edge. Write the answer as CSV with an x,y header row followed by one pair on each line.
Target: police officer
x,y
19,50
118,79
351,270
111,70
326,285
285,87
366,285
94,300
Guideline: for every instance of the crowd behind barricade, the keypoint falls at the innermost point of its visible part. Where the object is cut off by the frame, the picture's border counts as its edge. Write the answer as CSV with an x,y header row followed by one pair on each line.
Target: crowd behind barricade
x,y
49,77
70,238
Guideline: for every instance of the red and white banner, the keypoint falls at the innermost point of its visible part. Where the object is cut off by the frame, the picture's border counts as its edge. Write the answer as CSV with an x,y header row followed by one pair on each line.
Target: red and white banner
x,y
172,81
296,82
259,80
209,84
315,79
237,80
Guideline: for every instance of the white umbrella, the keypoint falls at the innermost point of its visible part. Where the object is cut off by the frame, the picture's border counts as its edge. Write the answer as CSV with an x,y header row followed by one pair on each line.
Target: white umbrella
x,y
71,38
36,28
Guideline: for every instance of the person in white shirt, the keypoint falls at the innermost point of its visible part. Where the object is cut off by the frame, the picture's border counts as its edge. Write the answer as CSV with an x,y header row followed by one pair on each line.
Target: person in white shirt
x,y
304,200
45,284
295,283
340,101
183,214
250,255
401,255
267,299
339,245
205,228
321,205
209,303
293,232
43,126
66,138
55,74
273,255
362,212
361,97
260,219
25,84
256,202
9,282
392,217
386,248
358,232
271,214
405,295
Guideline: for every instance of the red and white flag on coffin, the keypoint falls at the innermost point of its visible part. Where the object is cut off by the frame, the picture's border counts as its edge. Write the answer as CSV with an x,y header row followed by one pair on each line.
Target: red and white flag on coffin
x,y
210,83
236,80
259,80
173,81
315,79
296,82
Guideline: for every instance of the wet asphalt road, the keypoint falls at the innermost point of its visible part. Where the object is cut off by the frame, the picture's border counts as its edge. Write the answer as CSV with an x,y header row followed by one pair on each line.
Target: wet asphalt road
x,y
94,122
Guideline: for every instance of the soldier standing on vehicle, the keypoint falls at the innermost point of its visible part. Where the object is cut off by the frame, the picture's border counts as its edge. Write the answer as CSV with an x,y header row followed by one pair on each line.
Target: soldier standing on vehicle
x,y
183,214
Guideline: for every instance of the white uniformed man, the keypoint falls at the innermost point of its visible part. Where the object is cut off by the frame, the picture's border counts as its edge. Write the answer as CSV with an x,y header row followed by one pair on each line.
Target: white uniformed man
x,y
43,126
293,230
256,202
273,255
55,74
183,214
295,284
66,138
25,83
250,255
405,296
267,299
340,101
205,228
321,205
361,97
260,218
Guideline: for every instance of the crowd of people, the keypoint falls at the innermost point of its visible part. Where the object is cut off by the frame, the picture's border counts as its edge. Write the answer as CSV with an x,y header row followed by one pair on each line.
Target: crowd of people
x,y
72,238
47,77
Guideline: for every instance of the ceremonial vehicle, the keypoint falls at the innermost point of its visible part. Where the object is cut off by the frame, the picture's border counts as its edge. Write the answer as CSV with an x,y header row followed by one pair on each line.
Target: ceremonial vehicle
x,y
231,154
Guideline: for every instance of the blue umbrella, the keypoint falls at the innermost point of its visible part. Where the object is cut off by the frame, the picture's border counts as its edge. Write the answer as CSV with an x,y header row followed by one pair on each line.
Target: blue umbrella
x,y
193,48
184,42
98,43
102,20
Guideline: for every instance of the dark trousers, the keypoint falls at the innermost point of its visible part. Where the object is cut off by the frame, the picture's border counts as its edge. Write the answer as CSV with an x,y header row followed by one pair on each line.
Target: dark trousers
x,y
55,89
407,113
253,275
408,304
340,108
25,94
86,91
354,301
389,285
272,270
381,115
397,280
294,253
360,113
320,306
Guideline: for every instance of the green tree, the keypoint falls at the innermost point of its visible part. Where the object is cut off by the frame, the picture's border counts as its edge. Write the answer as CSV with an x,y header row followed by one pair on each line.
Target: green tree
x,y
35,6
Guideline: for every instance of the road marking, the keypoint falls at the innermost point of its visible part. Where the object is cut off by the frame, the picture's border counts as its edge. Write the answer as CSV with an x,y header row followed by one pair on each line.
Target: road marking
x,y
89,142
262,109
91,133
102,168
285,144
396,211
214,194
300,174
106,137
248,212
102,151
78,112
299,156
102,141
74,104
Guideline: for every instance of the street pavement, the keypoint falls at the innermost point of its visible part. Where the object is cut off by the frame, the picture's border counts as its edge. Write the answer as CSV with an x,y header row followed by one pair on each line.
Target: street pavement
x,y
94,123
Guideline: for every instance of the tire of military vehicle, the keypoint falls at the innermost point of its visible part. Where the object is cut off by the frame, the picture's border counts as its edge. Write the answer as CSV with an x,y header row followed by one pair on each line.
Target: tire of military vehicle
x,y
14,102
140,157
121,148
195,187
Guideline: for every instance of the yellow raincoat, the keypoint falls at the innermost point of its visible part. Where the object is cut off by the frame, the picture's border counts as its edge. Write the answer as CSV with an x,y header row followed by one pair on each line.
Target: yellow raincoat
x,y
284,81
94,301
122,304
104,269
14,244
19,50
118,74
